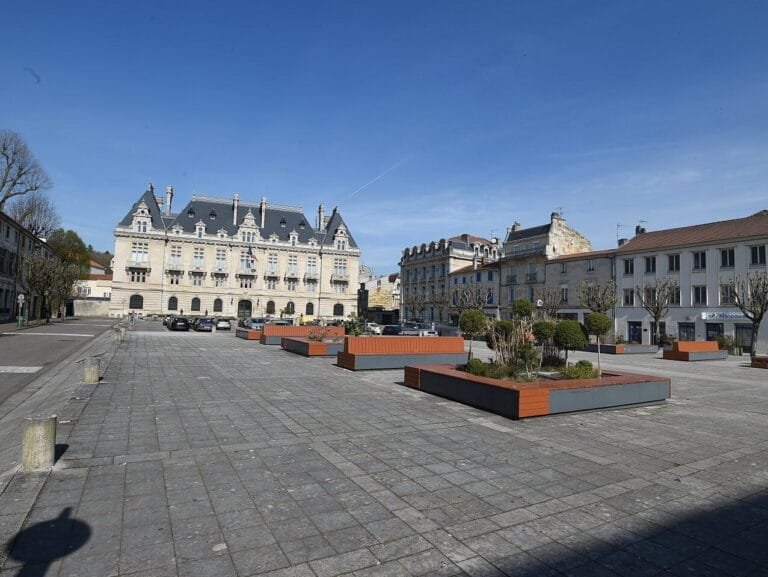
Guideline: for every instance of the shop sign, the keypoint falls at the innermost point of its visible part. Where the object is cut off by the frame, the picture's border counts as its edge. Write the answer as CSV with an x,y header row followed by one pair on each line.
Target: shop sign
x,y
720,316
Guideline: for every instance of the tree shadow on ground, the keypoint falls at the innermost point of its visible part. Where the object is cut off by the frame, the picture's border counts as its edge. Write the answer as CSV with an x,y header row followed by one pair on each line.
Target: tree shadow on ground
x,y
728,541
43,543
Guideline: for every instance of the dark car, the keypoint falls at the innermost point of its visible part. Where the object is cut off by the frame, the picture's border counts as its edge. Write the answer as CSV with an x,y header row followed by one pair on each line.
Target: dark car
x,y
204,324
179,324
167,320
392,330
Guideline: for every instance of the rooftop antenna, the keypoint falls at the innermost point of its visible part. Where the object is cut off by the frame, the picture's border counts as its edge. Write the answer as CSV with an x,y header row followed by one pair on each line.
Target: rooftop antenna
x,y
560,210
619,226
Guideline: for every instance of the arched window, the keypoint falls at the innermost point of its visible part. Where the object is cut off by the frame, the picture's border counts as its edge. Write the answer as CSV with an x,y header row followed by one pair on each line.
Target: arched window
x,y
195,304
217,306
270,307
338,310
136,302
310,310
173,304
290,308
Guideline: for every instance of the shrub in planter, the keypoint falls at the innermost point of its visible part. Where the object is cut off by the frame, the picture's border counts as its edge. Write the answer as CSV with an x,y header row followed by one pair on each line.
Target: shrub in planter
x,y
522,309
581,370
475,367
569,336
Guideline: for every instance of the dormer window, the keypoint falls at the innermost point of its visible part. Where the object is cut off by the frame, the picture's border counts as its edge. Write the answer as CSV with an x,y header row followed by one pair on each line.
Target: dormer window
x,y
191,213
140,225
294,238
312,241
302,225
200,229
283,222
212,215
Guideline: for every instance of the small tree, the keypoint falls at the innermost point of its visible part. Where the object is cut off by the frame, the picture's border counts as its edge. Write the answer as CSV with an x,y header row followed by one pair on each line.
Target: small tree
x,y
598,324
470,297
569,336
522,309
597,297
472,324
544,331
656,298
20,173
750,295
551,301
417,304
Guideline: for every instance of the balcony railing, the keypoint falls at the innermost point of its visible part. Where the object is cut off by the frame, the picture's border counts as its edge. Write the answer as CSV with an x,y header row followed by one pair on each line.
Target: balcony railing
x,y
220,270
272,273
340,277
311,275
291,273
246,271
137,264
174,267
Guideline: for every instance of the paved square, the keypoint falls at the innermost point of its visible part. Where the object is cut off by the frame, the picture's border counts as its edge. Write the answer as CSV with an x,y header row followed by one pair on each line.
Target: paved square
x,y
206,455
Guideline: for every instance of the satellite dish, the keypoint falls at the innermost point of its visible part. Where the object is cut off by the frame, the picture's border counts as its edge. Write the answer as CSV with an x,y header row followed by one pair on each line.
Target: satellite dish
x,y
539,303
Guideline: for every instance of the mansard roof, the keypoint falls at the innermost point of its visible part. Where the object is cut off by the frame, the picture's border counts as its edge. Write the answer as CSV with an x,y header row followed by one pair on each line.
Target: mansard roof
x,y
523,233
218,213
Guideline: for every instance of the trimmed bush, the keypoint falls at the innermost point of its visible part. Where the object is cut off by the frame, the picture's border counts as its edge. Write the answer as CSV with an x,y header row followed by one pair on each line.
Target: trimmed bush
x,y
475,367
522,308
569,336
581,370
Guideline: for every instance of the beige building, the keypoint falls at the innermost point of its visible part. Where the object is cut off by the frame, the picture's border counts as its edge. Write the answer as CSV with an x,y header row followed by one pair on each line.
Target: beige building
x,y
232,258
424,270
564,275
476,286
526,252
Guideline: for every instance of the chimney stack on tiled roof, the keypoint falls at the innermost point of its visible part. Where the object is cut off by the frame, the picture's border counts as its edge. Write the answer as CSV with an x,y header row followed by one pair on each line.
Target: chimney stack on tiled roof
x,y
235,205
263,210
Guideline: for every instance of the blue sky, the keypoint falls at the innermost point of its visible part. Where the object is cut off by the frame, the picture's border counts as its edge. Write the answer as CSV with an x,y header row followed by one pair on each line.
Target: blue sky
x,y
458,116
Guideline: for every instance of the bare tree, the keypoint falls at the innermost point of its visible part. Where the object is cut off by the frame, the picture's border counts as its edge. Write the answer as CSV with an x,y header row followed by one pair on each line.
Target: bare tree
x,y
656,298
36,213
470,297
750,295
441,301
597,297
552,301
20,173
63,283
416,304
38,271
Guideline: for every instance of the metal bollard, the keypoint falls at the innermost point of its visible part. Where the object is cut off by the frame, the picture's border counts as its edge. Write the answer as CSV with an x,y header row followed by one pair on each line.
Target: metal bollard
x,y
119,335
91,370
38,447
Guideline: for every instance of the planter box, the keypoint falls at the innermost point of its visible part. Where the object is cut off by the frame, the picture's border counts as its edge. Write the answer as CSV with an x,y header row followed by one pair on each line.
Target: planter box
x,y
273,334
695,351
308,348
543,397
760,361
395,352
623,349
248,334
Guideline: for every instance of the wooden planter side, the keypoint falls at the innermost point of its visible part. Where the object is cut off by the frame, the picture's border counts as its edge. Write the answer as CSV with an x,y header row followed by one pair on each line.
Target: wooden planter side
x,y
396,345
309,348
759,361
248,334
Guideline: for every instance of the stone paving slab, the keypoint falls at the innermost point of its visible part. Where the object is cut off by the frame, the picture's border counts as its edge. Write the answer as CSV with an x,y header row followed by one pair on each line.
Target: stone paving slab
x,y
202,454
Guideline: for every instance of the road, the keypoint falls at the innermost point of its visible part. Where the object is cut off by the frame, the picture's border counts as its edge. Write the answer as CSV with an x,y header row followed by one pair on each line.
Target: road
x,y
27,354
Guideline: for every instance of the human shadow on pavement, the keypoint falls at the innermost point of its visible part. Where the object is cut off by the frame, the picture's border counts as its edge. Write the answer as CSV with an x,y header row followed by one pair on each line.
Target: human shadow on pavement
x,y
43,543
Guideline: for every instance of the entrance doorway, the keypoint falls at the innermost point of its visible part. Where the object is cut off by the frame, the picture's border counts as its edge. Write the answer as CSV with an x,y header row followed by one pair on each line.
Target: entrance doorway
x,y
714,330
662,331
635,332
744,338
244,309
686,331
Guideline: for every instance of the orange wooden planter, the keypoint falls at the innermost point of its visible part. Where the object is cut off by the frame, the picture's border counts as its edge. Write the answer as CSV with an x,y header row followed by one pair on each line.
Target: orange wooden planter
x,y
308,348
396,351
248,334
759,361
694,351
271,334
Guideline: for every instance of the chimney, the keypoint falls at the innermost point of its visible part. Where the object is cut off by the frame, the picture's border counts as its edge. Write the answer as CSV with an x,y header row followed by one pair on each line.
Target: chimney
x,y
622,241
516,226
263,211
639,229
235,206
556,216
320,217
168,199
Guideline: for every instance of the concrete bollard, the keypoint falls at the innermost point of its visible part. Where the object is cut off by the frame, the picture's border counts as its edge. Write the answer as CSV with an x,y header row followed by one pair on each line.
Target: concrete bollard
x,y
119,335
38,447
213,328
91,370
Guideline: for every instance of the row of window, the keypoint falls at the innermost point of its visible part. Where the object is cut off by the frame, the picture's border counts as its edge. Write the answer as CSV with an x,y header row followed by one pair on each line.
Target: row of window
x,y
478,277
245,282
698,296
136,302
757,257
424,273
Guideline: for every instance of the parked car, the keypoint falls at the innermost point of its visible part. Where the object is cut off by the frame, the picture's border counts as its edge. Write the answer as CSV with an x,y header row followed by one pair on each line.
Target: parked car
x,y
413,329
167,320
223,324
179,324
203,324
392,330
255,323
373,328
281,322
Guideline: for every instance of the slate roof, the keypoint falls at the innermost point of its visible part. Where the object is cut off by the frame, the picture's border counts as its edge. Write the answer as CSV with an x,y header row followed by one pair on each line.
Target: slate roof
x,y
755,225
531,232
218,213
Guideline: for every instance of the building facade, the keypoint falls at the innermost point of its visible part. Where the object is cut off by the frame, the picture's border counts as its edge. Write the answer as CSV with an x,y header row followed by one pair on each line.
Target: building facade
x,y
703,260
16,243
425,289
526,252
564,276
477,286
234,258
